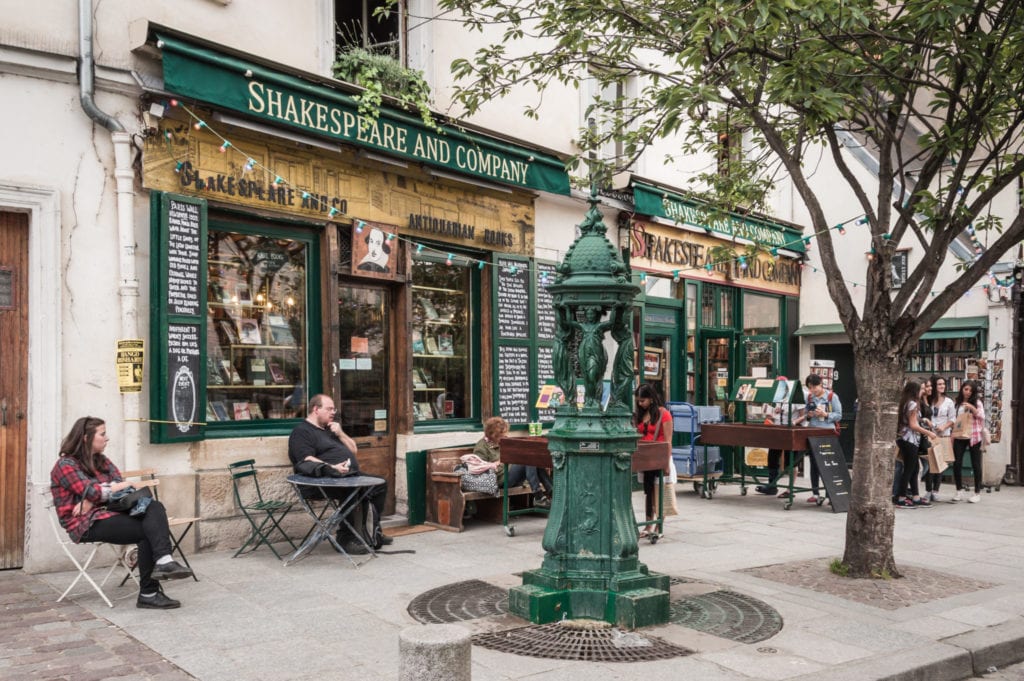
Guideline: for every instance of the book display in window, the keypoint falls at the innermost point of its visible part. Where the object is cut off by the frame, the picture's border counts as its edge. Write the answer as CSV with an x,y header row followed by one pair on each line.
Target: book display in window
x,y
221,411
418,348
441,323
257,372
242,411
444,344
249,332
276,374
431,345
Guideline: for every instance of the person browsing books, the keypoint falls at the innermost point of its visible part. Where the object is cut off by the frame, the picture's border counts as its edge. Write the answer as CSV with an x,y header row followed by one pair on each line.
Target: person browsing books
x,y
823,411
654,424
319,438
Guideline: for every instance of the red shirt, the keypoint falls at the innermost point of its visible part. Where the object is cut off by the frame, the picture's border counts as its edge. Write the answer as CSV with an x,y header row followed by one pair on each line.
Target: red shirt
x,y
655,430
69,484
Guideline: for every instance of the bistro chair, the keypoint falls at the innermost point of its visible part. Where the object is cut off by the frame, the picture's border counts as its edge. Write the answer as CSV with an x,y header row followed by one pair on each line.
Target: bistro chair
x,y
254,507
179,526
121,556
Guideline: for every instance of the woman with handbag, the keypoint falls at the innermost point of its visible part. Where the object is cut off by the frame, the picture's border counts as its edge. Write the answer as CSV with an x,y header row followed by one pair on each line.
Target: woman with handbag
x,y
487,448
967,435
943,417
82,482
654,423
909,434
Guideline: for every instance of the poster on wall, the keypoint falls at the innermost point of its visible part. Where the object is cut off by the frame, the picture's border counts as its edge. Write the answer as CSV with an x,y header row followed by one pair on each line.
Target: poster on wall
x,y
375,250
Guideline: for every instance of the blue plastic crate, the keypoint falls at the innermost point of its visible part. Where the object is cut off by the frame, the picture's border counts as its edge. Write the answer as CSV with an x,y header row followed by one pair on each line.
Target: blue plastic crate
x,y
690,462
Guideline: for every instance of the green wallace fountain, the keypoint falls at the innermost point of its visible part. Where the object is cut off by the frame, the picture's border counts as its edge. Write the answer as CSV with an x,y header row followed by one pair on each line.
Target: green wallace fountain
x,y
591,568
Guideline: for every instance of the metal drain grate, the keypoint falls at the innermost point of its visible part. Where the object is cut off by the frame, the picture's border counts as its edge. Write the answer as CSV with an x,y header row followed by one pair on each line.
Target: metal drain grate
x,y
459,602
570,641
727,614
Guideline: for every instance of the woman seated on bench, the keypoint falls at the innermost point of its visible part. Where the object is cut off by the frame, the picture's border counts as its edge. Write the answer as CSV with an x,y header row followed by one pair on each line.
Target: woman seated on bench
x,y
487,449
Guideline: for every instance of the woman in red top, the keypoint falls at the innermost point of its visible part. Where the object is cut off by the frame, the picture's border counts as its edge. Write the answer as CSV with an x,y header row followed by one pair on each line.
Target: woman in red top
x,y
654,423
81,483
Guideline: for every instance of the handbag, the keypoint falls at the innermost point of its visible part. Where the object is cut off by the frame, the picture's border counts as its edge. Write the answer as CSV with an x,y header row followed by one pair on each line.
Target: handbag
x,y
943,447
486,482
130,500
964,426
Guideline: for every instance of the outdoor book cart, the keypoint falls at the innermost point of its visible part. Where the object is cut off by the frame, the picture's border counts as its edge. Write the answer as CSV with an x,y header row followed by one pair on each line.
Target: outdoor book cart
x,y
533,451
700,465
780,393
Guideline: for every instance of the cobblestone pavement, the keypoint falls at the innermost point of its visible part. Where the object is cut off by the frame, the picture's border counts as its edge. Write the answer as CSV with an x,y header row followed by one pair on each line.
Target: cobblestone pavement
x,y
43,640
917,585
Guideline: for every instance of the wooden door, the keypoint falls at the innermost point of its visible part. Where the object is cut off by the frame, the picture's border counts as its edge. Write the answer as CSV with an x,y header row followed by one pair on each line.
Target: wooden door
x,y
13,385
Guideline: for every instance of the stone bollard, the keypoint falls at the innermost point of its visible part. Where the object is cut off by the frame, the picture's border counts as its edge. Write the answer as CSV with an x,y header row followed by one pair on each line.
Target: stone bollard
x,y
434,652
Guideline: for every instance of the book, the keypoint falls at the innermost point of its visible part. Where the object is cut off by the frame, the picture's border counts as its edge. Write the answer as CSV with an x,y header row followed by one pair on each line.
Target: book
x,y
425,410
417,342
257,370
444,344
211,413
221,410
249,331
242,411
228,329
277,374
213,375
229,372
428,378
280,332
418,382
431,344
243,294
255,411
428,308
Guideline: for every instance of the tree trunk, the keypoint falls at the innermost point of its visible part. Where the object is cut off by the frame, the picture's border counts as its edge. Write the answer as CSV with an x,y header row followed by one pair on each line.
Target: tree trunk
x,y
869,523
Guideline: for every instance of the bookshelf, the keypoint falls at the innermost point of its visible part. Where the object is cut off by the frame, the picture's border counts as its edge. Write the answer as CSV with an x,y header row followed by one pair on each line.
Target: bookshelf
x,y
947,357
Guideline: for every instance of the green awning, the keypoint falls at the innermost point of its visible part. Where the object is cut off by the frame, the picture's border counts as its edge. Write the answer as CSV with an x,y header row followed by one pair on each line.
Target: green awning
x,y
660,202
262,91
945,335
819,330
947,327
960,323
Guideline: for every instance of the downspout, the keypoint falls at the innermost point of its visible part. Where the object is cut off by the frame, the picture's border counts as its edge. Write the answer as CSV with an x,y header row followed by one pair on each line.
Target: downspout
x,y
128,289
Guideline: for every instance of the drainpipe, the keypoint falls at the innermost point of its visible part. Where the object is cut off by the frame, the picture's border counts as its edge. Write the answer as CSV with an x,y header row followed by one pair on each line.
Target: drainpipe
x,y
128,288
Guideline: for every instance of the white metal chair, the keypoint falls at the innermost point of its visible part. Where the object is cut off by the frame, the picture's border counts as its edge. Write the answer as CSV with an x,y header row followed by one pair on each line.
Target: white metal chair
x,y
120,552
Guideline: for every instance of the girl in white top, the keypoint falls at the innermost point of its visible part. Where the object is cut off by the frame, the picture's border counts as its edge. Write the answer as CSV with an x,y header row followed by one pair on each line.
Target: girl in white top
x,y
943,418
909,433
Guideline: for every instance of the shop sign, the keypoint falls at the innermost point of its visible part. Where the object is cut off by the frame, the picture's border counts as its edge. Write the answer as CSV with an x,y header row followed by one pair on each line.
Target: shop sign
x,y
661,203
664,249
208,76
130,354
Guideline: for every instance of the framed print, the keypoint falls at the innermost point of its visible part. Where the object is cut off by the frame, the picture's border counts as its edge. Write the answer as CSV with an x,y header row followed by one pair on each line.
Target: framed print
x,y
375,250
653,364
900,268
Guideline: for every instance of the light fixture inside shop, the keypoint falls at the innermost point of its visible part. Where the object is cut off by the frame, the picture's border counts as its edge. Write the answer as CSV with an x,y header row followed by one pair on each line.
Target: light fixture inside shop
x,y
467,180
237,122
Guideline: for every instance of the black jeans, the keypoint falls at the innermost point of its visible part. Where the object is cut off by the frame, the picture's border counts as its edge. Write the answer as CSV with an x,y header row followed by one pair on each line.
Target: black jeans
x,y
775,464
911,467
148,531
377,497
959,447
815,477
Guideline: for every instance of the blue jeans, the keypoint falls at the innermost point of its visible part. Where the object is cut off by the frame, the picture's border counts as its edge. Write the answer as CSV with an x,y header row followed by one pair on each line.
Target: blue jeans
x,y
517,473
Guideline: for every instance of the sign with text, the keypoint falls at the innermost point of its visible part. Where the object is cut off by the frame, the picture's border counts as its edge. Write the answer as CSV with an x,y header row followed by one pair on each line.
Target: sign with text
x,y
513,295
130,353
513,386
828,454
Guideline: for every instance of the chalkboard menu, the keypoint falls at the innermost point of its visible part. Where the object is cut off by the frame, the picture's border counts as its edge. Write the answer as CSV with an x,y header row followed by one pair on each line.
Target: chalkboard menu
x,y
178,318
513,384
184,251
546,321
513,297
183,357
545,373
828,454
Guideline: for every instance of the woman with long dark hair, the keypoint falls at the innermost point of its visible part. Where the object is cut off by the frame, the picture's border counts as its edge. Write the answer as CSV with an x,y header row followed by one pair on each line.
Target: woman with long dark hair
x,y
943,418
81,483
654,423
908,438
967,402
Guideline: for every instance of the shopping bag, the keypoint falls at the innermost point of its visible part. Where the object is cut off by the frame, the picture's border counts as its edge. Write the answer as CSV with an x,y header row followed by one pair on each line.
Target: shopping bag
x,y
936,464
964,427
943,448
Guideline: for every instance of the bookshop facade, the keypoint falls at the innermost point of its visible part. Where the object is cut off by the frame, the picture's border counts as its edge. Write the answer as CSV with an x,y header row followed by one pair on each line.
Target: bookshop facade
x,y
284,265
721,295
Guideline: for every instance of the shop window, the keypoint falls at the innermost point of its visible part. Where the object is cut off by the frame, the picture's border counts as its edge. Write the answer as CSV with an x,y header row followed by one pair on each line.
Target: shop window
x,y
364,329
761,315
358,26
716,306
256,327
442,341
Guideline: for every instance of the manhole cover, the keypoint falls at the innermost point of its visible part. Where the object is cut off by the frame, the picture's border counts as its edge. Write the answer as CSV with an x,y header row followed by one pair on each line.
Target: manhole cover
x,y
569,641
727,614
459,602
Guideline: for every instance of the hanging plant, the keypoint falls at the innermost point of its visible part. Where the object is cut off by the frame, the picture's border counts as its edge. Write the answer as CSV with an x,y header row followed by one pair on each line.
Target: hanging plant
x,y
380,75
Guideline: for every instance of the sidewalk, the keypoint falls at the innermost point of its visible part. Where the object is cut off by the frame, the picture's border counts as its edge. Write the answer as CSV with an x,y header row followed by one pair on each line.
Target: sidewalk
x,y
252,618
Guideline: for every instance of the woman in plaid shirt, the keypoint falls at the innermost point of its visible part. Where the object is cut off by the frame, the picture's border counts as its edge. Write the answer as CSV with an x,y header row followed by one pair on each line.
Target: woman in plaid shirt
x,y
82,481
967,401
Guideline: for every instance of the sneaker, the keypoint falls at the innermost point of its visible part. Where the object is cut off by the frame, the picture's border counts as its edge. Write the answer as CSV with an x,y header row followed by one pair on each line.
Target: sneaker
x,y
812,499
975,499
784,494
157,601
959,496
933,496
541,501
905,503
923,503
171,570
354,548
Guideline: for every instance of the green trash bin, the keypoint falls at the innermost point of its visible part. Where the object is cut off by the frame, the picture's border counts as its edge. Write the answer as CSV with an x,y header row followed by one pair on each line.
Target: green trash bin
x,y
416,484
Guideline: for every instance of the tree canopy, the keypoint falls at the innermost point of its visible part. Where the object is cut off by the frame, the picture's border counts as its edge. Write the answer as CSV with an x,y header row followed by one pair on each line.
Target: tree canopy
x,y
931,89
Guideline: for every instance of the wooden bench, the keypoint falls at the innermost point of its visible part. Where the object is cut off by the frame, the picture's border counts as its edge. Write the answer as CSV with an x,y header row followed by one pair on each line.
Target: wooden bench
x,y
446,502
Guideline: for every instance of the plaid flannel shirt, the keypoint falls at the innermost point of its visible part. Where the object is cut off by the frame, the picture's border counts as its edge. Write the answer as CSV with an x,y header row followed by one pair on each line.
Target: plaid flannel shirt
x,y
69,484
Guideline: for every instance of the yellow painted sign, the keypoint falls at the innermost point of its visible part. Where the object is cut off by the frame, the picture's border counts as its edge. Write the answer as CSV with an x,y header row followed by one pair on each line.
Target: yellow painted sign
x,y
328,186
664,249
130,363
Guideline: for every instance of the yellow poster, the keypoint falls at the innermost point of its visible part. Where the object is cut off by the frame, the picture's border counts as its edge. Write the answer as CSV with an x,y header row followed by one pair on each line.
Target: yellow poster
x,y
130,361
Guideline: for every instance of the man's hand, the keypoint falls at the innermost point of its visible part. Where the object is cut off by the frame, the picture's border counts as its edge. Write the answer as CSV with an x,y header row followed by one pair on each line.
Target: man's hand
x,y
335,428
342,467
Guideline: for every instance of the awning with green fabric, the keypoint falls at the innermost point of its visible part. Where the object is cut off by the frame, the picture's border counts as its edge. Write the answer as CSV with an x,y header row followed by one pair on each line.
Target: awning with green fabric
x,y
660,202
947,327
819,330
267,93
945,335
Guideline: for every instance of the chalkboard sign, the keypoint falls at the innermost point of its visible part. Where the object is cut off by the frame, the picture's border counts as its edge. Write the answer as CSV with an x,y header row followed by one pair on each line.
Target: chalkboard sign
x,y
183,360
177,404
513,384
828,454
513,297
546,321
184,252
545,373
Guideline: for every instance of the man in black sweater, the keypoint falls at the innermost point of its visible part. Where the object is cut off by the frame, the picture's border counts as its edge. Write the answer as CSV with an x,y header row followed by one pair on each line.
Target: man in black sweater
x,y
320,439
